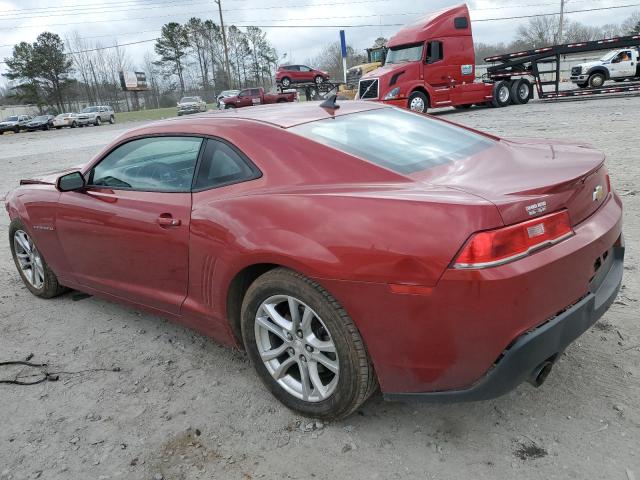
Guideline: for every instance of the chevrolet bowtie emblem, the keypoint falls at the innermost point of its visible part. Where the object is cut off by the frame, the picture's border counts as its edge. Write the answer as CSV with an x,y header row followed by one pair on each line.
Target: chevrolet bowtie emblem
x,y
598,193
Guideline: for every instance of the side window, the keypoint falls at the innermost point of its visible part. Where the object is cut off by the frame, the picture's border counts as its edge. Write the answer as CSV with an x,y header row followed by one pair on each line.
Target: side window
x,y
222,165
294,68
304,69
245,93
160,164
435,51
255,92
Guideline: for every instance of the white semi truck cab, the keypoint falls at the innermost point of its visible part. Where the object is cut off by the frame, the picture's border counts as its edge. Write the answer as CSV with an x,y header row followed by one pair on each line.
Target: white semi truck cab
x,y
617,65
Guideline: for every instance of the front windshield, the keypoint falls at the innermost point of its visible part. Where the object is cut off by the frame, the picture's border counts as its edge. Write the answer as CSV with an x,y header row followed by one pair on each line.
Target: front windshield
x,y
404,53
90,110
374,136
188,99
12,119
609,56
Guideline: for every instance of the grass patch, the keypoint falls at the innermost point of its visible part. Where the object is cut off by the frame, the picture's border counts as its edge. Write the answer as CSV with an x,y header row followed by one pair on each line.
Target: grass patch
x,y
152,114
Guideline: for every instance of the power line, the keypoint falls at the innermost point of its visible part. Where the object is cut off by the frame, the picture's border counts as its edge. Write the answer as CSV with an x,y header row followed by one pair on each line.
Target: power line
x,y
557,13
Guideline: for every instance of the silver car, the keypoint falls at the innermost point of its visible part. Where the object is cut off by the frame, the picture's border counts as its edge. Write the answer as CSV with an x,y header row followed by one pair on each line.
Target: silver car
x,y
97,115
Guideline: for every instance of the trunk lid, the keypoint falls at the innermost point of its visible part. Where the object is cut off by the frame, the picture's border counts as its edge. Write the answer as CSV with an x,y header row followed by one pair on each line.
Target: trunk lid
x,y
526,178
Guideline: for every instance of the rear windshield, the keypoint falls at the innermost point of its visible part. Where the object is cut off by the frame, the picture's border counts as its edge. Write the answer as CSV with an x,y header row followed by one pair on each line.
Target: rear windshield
x,y
396,139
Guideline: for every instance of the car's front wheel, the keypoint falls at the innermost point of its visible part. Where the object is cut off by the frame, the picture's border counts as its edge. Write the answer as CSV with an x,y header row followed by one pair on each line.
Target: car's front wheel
x,y
304,346
98,121
286,82
35,273
319,80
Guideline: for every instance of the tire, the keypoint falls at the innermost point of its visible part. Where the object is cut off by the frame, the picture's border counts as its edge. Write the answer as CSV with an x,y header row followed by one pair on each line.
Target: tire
x,y
501,94
520,91
16,130
74,125
418,102
45,284
229,107
97,122
347,387
318,80
596,80
112,119
285,82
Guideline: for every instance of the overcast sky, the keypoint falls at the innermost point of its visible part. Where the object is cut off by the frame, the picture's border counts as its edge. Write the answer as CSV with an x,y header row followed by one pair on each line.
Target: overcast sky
x,y
128,21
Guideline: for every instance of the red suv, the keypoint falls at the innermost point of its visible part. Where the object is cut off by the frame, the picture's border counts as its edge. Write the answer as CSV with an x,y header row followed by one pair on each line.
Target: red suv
x,y
288,74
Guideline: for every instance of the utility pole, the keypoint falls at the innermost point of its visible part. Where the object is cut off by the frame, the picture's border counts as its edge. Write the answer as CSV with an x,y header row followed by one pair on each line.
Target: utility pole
x,y
224,43
559,39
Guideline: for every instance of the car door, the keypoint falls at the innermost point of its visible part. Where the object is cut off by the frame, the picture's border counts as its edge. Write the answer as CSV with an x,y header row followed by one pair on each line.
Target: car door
x,y
127,233
623,65
306,74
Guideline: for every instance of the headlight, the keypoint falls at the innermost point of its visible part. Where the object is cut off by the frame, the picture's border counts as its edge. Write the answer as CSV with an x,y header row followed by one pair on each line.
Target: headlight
x,y
392,94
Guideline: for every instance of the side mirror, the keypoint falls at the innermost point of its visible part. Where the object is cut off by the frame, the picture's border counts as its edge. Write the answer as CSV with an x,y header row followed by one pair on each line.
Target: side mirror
x,y
71,182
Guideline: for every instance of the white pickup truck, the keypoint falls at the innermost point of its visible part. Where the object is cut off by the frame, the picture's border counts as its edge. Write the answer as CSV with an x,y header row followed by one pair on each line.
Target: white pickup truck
x,y
617,65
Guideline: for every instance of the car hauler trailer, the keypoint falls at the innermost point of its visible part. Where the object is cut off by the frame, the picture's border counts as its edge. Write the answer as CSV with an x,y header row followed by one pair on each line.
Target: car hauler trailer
x,y
541,61
431,64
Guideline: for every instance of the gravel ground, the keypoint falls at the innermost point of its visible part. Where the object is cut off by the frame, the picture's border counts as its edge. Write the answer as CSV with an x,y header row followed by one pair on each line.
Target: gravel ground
x,y
180,406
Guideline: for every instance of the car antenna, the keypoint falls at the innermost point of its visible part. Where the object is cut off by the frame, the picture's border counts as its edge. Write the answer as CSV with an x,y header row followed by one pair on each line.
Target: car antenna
x,y
330,103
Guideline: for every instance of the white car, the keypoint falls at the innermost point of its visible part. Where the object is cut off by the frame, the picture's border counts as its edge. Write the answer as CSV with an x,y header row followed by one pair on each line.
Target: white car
x,y
97,115
617,65
66,120
188,105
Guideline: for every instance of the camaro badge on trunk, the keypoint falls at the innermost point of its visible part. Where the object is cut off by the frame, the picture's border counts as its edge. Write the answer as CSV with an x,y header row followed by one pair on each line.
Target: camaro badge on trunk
x,y
536,208
598,193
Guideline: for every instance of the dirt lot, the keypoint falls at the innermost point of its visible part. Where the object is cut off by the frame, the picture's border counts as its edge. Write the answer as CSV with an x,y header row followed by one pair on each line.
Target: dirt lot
x,y
182,407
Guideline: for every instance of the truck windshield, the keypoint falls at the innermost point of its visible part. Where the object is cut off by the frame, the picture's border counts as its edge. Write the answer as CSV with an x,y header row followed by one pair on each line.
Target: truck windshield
x,y
609,56
404,53
375,136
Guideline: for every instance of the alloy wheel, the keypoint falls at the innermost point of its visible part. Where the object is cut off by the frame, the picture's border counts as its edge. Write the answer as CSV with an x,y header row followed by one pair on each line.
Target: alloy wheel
x,y
503,94
296,348
29,259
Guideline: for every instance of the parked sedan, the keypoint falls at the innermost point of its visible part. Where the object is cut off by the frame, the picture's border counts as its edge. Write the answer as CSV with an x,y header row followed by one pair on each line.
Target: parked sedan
x,y
288,74
188,105
14,123
41,122
66,120
328,241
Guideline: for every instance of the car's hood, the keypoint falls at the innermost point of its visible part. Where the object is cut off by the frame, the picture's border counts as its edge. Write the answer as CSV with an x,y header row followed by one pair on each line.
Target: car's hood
x,y
587,65
525,177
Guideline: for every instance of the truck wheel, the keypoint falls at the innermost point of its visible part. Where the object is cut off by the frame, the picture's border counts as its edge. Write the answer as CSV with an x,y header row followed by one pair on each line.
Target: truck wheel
x,y
521,91
596,80
418,102
501,94
318,80
304,346
285,82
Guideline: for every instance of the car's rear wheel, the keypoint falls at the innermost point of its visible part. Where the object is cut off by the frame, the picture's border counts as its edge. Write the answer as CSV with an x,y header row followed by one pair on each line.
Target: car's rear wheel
x,y
74,125
286,82
418,102
112,119
16,130
304,346
35,273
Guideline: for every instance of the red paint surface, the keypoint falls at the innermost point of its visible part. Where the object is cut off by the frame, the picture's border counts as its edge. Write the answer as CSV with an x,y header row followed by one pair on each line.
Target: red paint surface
x,y
360,230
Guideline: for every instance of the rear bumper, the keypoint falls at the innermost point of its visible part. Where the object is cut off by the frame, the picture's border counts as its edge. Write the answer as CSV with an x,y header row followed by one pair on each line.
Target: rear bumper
x,y
542,344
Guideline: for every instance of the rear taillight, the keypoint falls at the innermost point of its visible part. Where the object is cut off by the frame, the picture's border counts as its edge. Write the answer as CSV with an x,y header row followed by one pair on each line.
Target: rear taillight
x,y
496,247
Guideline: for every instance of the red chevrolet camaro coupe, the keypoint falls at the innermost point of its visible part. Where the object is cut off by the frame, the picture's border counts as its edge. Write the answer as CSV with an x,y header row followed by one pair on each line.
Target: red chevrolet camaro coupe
x,y
343,248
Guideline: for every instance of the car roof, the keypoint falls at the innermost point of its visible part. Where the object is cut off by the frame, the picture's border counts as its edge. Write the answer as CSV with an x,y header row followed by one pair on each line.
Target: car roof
x,y
283,115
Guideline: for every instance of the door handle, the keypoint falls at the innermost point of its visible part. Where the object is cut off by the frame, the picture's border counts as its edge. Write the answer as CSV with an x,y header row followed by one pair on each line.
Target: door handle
x,y
166,220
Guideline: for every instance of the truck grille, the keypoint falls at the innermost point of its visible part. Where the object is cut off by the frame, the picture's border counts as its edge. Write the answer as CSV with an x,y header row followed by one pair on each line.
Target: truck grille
x,y
576,71
368,89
